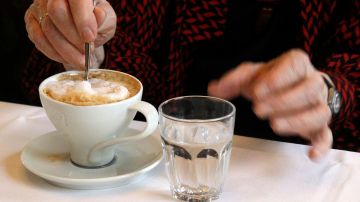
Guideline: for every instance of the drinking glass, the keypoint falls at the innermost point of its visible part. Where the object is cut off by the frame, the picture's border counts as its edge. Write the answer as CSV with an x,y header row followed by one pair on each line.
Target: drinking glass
x,y
196,133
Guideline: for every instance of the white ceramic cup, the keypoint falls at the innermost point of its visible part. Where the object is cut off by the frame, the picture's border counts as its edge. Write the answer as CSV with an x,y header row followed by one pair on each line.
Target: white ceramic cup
x,y
93,131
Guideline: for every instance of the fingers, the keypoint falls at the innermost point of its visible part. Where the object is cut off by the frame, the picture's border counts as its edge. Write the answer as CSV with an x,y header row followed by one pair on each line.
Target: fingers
x,y
312,125
234,83
286,71
37,36
60,15
302,96
302,123
65,26
321,143
84,19
66,50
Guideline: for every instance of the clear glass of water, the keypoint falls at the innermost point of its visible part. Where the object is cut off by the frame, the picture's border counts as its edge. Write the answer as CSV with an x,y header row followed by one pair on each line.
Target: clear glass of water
x,y
196,133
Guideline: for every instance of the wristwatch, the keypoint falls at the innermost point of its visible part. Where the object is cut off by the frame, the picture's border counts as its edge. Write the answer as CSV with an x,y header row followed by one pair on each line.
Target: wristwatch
x,y
334,97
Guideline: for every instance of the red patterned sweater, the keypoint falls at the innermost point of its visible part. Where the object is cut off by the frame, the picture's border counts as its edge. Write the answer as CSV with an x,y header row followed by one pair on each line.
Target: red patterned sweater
x,y
153,41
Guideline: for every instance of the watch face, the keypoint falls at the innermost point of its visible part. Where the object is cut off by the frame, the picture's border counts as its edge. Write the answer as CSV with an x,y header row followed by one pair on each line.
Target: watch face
x,y
334,101
337,102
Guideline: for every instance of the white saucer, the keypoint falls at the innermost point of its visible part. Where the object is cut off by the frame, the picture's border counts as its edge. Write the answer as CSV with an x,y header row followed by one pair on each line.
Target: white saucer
x,y
48,157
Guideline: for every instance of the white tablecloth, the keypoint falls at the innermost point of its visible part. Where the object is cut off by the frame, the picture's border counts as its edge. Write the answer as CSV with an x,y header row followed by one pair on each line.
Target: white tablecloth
x,y
260,170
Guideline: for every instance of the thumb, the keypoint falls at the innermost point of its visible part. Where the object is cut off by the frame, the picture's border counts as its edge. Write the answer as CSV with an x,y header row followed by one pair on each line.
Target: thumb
x,y
235,82
100,15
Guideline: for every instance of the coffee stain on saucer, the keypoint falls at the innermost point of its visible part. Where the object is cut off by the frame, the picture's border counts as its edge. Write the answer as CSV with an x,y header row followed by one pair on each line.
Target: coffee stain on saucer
x,y
54,158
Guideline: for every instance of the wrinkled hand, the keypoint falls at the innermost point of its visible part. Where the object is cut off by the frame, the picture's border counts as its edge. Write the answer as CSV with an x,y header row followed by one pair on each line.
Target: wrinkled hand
x,y
288,91
59,29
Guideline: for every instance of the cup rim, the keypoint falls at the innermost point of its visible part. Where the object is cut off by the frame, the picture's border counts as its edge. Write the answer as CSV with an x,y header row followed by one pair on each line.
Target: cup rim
x,y
44,95
232,113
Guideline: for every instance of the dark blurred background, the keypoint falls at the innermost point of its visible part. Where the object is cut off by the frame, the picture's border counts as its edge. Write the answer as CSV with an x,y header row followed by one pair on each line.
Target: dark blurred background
x,y
14,49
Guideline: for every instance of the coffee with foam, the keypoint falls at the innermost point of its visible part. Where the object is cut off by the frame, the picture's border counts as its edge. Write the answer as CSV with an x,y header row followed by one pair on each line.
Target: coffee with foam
x,y
102,87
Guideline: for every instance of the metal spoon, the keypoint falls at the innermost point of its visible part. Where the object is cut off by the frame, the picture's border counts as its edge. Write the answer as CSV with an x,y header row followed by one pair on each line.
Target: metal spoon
x,y
87,61
87,58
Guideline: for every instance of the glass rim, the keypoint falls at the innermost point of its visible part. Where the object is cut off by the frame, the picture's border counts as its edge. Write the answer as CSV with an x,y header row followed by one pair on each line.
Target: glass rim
x,y
232,113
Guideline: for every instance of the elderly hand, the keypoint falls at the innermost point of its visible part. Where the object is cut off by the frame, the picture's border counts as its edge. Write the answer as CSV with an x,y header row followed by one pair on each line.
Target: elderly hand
x,y
59,29
289,92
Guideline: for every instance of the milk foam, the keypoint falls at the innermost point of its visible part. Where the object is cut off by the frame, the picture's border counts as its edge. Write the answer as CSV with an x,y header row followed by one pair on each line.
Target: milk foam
x,y
93,91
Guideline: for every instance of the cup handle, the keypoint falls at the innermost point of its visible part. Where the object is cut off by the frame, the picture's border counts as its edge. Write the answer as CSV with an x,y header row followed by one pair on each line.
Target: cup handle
x,y
152,118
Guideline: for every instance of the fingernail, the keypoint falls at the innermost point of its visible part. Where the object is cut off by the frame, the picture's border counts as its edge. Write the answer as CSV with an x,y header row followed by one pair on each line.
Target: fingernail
x,y
224,89
218,89
88,35
215,88
81,62
223,86
282,124
92,47
314,155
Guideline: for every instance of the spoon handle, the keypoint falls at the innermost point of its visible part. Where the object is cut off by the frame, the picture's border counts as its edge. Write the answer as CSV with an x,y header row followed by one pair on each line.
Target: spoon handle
x,y
87,61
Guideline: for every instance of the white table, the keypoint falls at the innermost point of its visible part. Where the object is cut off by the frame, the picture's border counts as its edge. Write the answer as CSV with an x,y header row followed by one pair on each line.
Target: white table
x,y
260,170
